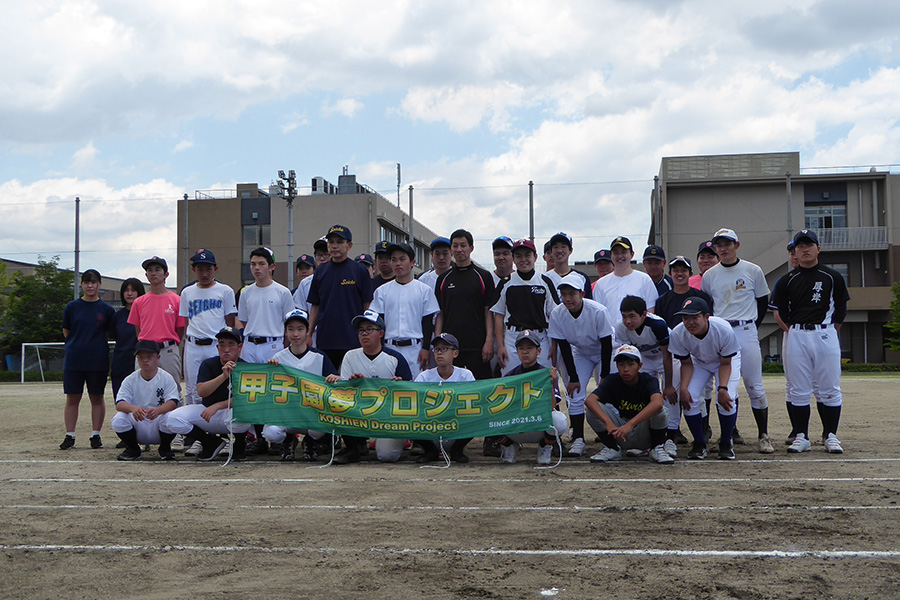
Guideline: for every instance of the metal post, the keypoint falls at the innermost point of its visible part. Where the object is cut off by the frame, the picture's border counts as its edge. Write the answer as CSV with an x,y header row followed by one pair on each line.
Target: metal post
x,y
657,214
412,239
75,286
531,211
187,245
790,215
398,185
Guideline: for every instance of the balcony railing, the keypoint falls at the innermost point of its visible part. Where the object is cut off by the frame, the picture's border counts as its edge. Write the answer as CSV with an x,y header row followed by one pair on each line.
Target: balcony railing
x,y
853,238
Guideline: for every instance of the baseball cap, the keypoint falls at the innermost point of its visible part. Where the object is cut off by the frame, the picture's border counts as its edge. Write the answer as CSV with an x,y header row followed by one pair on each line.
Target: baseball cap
x,y
621,241
447,338
806,235
546,246
298,314
627,351
306,259
562,236
654,252
681,260
365,259
340,231
602,255
524,244
572,280
790,245
381,247
530,336
203,257
502,242
146,346
320,243
694,306
229,333
371,316
728,234
155,260
440,241
403,247
706,246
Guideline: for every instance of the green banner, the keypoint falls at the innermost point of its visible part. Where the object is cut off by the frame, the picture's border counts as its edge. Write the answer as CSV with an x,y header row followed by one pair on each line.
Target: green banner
x,y
281,395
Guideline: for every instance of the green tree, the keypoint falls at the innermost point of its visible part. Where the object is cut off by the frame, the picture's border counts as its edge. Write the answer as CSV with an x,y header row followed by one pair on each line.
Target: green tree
x,y
35,305
893,325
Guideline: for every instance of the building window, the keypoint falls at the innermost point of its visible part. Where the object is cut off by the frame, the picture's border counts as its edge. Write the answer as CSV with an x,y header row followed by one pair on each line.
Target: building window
x,y
825,216
255,236
842,268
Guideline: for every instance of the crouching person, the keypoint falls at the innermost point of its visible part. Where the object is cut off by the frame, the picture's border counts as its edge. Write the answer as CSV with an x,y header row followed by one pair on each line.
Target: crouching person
x,y
208,422
143,405
627,412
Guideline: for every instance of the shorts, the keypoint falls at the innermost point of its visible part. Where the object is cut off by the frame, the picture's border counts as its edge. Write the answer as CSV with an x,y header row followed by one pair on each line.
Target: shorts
x,y
74,382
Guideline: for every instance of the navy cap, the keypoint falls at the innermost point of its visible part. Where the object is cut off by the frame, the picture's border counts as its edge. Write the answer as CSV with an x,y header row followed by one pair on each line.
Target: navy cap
x,y
146,346
806,235
320,243
365,259
439,242
707,246
546,246
155,260
340,231
654,252
529,336
230,333
502,242
602,255
371,316
681,260
694,305
562,236
403,247
203,257
447,338
306,259
298,314
381,247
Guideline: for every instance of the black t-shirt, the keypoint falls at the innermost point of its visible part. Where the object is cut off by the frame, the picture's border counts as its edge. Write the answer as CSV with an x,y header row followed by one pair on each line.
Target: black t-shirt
x,y
670,303
379,281
817,295
209,370
463,294
629,401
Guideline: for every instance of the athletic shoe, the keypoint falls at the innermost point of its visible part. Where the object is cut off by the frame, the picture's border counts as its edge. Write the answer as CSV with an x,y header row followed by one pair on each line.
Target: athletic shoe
x,y
309,449
636,452
288,447
259,446
130,453
765,445
194,450
210,452
121,445
606,455
660,455
736,437
671,448
509,453
430,454
833,445
178,443
801,444
726,453
276,449
545,453
459,456
577,448
67,442
348,455
698,452
680,439
707,433
491,447
96,444
790,439
166,455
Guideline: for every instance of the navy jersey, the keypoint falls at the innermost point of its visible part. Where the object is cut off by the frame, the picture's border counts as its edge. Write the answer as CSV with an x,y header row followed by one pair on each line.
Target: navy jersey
x,y
339,290
88,325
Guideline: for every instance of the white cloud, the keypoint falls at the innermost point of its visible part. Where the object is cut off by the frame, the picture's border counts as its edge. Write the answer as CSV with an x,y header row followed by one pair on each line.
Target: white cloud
x,y
183,145
345,106
84,157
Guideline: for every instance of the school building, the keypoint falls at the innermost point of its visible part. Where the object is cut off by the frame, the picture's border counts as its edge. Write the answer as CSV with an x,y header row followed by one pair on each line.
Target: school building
x,y
232,222
766,198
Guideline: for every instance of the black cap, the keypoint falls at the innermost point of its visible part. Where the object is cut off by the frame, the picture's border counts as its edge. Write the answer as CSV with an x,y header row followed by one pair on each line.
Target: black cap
x,y
381,247
306,259
806,235
502,242
546,246
365,259
654,252
707,246
602,255
229,333
203,257
681,260
155,260
340,231
146,346
622,241
447,338
403,247
320,243
694,305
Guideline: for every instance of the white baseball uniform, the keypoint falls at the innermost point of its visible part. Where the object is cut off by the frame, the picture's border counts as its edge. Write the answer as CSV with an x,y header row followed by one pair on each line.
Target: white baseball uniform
x,y
205,310
137,391
706,354
312,361
403,306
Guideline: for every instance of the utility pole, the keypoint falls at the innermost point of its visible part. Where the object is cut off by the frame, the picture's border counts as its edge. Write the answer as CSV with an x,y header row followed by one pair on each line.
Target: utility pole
x,y
76,287
531,211
288,186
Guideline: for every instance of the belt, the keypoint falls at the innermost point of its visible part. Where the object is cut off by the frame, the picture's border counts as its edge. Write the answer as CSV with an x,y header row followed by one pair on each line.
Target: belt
x,y
168,343
200,341
739,323
402,343
517,328
810,326
254,339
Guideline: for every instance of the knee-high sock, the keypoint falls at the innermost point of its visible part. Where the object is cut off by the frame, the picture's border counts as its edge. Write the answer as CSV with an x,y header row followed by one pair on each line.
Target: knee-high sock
x,y
695,424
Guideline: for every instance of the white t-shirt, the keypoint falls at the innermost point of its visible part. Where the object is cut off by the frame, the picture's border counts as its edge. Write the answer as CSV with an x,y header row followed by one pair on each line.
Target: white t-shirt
x,y
302,293
612,289
206,308
137,391
734,289
404,305
313,361
585,332
389,363
431,376
719,342
263,309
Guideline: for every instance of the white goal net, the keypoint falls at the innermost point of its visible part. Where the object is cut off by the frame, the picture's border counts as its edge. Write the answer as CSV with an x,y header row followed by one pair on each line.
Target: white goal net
x,y
42,358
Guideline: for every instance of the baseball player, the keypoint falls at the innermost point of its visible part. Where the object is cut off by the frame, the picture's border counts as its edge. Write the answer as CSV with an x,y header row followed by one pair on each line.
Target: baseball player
x,y
384,271
446,349
707,348
440,261
209,421
627,411
812,301
368,262
372,359
261,308
528,349
581,330
741,297
143,405
320,251
503,259
655,266
524,303
706,259
305,267
301,293
560,250
604,265
624,280
548,257
299,356
408,307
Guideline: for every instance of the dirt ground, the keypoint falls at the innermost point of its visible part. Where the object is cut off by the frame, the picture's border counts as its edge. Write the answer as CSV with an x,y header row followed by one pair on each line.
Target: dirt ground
x,y
816,526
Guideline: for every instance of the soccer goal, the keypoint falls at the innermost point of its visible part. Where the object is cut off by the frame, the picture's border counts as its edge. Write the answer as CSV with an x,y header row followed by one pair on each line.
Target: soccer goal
x,y
42,358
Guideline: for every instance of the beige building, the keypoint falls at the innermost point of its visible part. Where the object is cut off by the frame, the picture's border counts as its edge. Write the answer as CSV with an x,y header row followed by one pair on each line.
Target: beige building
x,y
231,223
766,198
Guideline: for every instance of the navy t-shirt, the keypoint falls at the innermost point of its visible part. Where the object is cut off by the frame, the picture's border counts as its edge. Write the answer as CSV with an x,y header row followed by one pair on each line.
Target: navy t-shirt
x,y
125,336
339,290
628,400
209,370
88,324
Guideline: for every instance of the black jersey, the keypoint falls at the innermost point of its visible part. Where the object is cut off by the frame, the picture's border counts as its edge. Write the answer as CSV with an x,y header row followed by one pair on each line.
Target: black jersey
x,y
814,296
463,294
671,302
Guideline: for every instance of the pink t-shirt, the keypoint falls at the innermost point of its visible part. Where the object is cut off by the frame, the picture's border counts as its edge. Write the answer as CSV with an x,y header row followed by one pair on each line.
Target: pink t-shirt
x,y
694,281
157,316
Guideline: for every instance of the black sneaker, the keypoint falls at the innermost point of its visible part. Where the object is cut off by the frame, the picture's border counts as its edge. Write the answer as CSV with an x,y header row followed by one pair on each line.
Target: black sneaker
x,y
491,447
679,438
277,449
698,452
67,443
707,433
212,449
288,447
166,454
310,454
96,444
130,453
348,455
121,445
726,452
259,446
737,438
430,455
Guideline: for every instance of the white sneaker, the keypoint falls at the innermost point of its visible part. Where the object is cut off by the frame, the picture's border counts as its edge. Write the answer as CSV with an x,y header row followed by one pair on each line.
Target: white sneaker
x,y
509,453
801,444
833,445
577,448
545,454
765,445
671,448
178,443
194,450
606,455
660,455
636,452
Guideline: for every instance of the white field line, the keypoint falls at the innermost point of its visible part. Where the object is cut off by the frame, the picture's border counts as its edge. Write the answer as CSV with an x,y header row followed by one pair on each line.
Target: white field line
x,y
623,464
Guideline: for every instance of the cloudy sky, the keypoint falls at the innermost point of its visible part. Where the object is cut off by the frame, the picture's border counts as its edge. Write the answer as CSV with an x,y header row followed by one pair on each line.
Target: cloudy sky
x,y
131,105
